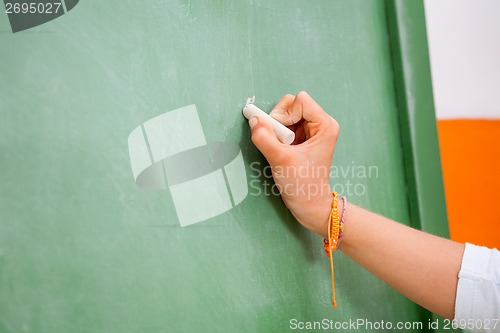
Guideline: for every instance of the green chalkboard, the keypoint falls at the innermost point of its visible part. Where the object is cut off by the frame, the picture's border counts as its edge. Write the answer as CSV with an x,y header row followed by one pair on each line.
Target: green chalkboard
x,y
84,248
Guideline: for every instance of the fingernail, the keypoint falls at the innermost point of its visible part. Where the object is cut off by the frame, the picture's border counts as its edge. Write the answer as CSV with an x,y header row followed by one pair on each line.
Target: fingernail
x,y
253,121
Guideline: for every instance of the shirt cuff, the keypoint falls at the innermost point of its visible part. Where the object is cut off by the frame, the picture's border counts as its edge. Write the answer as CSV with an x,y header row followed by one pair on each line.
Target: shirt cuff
x,y
478,289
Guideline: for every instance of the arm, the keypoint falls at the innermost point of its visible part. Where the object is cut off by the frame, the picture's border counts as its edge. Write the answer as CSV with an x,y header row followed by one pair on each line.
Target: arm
x,y
420,266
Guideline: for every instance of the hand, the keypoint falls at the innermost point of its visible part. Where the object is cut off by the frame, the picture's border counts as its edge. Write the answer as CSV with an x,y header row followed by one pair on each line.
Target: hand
x,y
301,170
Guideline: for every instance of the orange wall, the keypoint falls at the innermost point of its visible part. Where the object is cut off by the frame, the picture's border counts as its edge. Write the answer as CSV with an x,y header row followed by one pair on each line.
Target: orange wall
x,y
470,156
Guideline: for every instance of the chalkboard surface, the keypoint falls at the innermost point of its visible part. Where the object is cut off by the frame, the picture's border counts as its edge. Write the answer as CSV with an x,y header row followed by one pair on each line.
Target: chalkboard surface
x,y
83,248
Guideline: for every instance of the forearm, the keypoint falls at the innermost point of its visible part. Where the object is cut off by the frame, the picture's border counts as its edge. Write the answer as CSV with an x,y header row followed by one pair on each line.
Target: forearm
x,y
422,267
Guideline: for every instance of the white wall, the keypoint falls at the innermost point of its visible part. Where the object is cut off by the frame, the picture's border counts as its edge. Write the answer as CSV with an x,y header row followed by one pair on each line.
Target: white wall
x,y
464,42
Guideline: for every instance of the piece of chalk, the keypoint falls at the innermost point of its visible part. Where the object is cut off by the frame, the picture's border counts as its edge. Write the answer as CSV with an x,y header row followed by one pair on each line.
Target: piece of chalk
x,y
283,133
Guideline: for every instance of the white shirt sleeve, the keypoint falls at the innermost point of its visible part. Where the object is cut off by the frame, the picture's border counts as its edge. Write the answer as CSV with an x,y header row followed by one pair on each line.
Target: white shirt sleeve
x,y
477,306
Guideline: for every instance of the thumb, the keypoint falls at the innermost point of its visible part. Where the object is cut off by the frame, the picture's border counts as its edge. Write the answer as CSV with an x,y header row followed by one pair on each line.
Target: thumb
x,y
266,140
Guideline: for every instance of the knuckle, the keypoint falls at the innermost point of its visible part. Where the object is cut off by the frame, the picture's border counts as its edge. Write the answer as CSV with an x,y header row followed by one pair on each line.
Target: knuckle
x,y
301,95
333,128
257,134
260,133
335,125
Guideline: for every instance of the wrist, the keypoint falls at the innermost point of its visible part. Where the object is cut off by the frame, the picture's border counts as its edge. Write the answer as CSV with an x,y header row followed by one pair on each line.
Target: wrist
x,y
319,214
313,214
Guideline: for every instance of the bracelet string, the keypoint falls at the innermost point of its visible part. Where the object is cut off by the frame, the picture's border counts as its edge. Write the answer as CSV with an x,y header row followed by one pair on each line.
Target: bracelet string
x,y
335,233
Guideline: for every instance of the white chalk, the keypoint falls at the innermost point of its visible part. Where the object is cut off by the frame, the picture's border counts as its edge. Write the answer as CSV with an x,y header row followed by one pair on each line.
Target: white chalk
x,y
283,133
